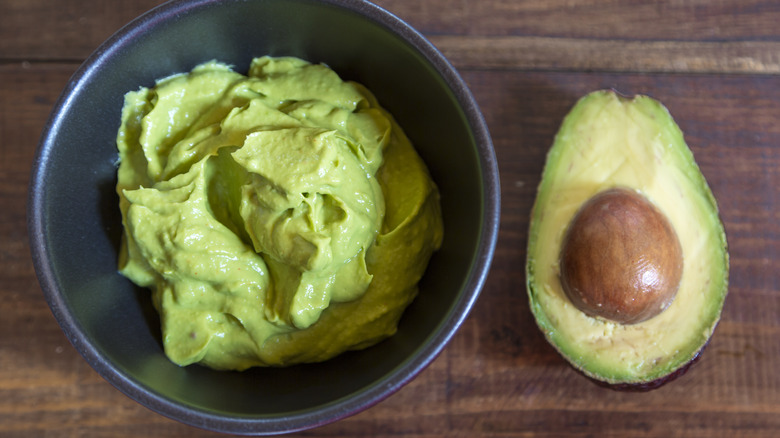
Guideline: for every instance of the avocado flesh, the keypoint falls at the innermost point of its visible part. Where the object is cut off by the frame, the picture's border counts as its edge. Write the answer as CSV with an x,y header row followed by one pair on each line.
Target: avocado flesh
x,y
606,141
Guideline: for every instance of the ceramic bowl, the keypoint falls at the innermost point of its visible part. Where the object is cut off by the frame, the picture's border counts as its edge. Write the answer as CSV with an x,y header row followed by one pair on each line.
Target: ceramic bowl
x,y
75,225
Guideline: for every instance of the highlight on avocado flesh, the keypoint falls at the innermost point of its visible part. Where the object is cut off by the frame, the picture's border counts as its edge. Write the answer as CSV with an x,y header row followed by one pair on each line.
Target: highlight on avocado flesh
x,y
627,262
621,259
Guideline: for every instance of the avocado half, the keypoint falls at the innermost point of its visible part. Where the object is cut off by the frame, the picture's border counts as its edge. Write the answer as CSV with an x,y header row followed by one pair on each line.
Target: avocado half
x,y
607,141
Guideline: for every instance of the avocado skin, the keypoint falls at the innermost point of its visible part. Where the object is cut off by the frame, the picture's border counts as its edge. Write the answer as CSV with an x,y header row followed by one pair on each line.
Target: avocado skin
x,y
716,293
647,386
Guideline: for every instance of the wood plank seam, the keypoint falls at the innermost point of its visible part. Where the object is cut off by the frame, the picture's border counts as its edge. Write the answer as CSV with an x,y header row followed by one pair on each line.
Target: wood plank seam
x,y
612,55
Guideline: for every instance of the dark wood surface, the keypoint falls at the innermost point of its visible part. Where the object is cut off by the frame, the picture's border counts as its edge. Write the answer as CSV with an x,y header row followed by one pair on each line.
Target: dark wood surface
x,y
715,64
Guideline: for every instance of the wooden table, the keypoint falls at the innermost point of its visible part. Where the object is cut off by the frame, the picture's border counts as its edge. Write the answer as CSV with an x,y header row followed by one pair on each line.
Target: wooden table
x,y
715,64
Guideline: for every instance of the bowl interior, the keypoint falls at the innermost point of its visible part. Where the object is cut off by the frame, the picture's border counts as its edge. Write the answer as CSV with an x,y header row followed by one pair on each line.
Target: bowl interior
x,y
75,222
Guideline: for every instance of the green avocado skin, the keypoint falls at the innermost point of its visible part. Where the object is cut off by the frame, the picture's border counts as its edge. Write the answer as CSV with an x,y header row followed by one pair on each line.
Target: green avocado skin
x,y
608,140
278,217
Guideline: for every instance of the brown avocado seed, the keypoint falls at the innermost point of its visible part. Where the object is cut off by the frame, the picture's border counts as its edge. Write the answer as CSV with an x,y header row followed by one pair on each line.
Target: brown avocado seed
x,y
621,259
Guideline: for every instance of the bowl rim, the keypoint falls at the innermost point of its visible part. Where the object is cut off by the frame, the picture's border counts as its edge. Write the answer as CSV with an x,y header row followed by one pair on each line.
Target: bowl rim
x,y
337,409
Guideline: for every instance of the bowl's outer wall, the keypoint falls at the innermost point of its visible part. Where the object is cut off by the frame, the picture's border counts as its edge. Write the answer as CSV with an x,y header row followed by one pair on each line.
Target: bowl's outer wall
x,y
73,196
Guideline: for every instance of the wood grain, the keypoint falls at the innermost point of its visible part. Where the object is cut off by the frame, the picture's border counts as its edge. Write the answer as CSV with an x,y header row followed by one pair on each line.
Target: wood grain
x,y
714,65
632,20
573,54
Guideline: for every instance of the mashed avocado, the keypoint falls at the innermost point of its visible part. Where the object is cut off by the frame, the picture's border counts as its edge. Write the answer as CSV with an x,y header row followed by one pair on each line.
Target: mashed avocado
x,y
279,217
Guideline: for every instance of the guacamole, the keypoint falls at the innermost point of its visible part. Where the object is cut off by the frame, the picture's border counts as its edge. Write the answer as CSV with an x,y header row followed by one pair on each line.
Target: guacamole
x,y
278,217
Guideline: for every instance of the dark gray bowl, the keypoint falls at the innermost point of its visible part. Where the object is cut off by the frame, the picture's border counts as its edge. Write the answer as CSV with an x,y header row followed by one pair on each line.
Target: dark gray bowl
x,y
74,221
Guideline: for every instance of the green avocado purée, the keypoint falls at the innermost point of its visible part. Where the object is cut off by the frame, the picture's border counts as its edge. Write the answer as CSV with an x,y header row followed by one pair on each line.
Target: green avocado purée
x,y
279,217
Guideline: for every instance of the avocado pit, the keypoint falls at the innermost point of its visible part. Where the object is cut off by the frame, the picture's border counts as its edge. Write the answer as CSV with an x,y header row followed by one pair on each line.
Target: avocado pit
x,y
621,259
